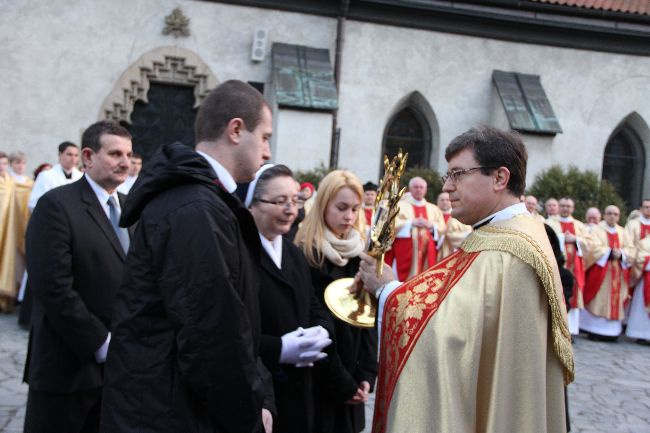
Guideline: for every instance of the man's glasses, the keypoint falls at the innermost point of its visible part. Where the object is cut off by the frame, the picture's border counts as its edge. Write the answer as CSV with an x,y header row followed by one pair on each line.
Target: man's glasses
x,y
454,175
284,202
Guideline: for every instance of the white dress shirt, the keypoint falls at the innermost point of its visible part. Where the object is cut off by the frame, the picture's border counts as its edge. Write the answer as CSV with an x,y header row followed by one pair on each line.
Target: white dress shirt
x,y
224,176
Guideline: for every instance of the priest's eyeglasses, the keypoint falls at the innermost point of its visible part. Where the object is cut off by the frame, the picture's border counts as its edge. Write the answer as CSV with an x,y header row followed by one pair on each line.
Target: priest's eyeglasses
x,y
454,175
285,202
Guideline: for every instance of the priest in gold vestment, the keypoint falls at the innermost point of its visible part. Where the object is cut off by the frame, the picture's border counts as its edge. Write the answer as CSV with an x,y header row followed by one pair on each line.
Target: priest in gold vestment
x,y
610,258
479,342
23,184
454,233
8,236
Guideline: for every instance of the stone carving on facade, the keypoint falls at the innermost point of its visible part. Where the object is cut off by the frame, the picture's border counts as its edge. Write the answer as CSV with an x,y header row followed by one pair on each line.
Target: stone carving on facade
x,y
177,24
171,65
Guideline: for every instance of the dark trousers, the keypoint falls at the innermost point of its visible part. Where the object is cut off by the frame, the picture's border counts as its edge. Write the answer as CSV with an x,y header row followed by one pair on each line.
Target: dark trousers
x,y
75,412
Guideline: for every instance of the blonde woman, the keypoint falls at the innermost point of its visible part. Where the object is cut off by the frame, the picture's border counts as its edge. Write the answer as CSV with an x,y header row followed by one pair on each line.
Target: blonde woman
x,y
331,239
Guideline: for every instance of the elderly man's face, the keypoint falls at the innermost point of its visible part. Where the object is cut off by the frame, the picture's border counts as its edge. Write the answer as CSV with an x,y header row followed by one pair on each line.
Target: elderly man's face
x,y
566,207
418,189
531,204
592,216
551,207
612,215
472,195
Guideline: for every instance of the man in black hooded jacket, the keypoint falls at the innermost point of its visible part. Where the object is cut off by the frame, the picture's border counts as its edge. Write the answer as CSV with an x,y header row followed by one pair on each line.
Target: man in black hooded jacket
x,y
185,335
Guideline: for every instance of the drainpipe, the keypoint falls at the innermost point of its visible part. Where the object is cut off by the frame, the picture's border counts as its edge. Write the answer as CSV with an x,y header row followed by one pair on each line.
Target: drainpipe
x,y
340,36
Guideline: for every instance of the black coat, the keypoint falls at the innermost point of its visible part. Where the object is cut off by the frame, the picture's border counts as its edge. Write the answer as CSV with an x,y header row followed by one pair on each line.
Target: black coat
x,y
75,264
183,356
352,359
287,301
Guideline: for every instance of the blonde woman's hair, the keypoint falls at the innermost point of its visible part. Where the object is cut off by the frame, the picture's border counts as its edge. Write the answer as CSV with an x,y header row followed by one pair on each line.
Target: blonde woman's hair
x,y
311,233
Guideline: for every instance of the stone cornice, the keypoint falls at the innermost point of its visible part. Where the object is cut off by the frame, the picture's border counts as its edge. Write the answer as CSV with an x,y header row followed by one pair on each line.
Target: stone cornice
x,y
521,21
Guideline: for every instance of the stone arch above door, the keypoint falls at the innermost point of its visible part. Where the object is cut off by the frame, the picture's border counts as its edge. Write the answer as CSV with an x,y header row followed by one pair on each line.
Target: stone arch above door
x,y
171,65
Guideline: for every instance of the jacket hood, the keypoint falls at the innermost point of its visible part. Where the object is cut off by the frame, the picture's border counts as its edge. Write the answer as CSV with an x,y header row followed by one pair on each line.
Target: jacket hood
x,y
172,165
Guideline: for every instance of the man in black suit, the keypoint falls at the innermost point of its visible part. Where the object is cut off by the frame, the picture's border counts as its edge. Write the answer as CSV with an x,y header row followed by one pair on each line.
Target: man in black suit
x,y
186,321
75,260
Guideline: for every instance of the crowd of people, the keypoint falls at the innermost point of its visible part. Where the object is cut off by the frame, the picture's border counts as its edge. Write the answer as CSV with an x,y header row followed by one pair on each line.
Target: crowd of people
x,y
173,300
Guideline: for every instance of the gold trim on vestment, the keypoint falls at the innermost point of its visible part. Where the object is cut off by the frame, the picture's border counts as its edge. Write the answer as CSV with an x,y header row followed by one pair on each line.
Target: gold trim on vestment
x,y
517,243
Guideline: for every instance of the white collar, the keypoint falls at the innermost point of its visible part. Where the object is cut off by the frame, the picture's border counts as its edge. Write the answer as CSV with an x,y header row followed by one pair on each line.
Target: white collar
x,y
21,178
505,214
611,230
644,220
223,175
568,219
101,193
415,202
273,249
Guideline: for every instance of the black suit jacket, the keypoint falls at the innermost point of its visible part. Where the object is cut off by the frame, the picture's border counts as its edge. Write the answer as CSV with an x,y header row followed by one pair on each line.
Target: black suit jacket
x,y
75,264
287,301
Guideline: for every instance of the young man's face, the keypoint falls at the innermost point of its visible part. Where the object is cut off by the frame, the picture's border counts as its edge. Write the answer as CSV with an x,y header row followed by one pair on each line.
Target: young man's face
x,y
443,202
254,148
566,207
18,166
369,198
645,208
69,158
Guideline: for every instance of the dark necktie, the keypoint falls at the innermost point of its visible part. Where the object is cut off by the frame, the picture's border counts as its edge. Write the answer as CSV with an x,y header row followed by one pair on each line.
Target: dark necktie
x,y
122,233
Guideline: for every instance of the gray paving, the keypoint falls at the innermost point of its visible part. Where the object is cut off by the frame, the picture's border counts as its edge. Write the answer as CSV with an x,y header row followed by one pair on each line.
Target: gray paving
x,y
611,392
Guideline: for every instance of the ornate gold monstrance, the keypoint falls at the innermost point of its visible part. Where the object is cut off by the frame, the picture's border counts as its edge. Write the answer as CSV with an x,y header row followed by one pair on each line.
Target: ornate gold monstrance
x,y
360,308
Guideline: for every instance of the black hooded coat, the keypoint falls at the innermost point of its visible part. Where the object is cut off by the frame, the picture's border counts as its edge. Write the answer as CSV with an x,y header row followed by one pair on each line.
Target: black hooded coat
x,y
185,333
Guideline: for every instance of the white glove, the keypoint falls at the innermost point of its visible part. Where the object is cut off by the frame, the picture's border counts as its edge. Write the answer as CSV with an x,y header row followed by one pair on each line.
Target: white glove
x,y
313,353
303,347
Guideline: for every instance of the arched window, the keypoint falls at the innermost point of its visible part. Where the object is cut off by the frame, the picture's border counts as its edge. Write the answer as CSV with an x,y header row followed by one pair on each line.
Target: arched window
x,y
408,130
624,164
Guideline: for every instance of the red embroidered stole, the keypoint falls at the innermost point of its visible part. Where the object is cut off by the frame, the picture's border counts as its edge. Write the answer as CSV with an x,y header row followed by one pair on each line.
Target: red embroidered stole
x,y
446,216
426,247
644,231
574,264
596,276
368,211
406,313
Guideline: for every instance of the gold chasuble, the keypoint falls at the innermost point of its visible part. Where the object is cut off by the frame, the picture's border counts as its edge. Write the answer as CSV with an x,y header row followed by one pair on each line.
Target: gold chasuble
x,y
22,218
479,342
8,242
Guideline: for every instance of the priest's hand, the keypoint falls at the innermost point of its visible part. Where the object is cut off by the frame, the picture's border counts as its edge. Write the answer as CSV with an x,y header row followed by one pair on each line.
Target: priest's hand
x,y
362,394
368,275
267,421
615,254
569,238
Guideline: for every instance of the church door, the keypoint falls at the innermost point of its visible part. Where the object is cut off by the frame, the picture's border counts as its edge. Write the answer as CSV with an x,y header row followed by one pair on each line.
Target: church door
x,y
166,118
408,130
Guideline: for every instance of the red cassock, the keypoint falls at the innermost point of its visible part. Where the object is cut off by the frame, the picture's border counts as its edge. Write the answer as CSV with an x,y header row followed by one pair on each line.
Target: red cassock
x,y
404,249
575,264
596,276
